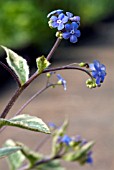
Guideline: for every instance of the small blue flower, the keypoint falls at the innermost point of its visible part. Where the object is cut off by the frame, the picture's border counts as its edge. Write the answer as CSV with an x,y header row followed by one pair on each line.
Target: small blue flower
x,y
56,12
65,139
61,81
69,14
71,32
89,159
73,18
98,71
59,22
52,125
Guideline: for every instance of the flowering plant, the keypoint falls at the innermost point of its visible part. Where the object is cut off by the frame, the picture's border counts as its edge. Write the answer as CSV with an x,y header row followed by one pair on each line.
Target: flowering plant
x,y
63,146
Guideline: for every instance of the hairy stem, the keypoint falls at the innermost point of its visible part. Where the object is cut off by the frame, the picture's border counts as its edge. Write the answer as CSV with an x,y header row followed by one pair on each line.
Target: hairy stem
x,y
46,160
42,161
35,75
11,72
11,102
32,98
21,89
68,67
53,49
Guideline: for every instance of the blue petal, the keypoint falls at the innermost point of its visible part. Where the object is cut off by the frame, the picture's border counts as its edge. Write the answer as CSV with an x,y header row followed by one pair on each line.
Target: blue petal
x,y
64,84
58,11
94,74
69,14
75,18
66,139
61,16
73,39
77,33
103,73
54,24
66,35
102,78
60,26
74,25
51,13
65,19
96,64
102,67
68,27
91,66
89,160
98,80
53,18
52,125
59,77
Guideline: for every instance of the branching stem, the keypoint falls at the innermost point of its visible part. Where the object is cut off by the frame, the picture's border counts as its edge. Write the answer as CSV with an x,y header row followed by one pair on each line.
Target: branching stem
x,y
33,97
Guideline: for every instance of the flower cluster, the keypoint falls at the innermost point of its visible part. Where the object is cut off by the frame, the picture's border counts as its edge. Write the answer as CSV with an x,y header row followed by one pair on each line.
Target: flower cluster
x,y
79,146
82,142
98,71
66,25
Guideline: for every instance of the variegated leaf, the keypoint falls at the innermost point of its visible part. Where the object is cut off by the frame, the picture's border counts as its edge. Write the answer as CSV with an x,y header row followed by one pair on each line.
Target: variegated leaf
x,y
18,64
26,122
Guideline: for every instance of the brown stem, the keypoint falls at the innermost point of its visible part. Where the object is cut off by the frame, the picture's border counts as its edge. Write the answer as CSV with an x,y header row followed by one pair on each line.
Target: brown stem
x,y
68,67
12,73
35,75
21,89
11,103
32,98
43,161
53,49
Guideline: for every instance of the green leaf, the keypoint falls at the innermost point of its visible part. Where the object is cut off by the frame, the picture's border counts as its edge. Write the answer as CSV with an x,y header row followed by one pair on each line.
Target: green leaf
x,y
26,122
18,64
5,151
52,165
42,63
16,159
56,146
30,155
79,153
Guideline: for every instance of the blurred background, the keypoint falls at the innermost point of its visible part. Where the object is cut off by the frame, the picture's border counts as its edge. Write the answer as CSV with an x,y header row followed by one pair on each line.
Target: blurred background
x,y
24,29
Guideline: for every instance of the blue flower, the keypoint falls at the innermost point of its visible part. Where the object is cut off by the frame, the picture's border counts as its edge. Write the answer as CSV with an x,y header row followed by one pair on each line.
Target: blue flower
x,y
71,32
56,12
52,125
69,14
76,19
61,81
89,159
98,71
65,139
59,22
73,18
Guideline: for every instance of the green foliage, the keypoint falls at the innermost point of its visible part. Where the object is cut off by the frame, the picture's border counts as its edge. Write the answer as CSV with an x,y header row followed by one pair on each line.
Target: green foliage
x,y
42,63
52,165
79,153
56,147
5,151
24,22
29,154
16,159
26,122
18,65
75,151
